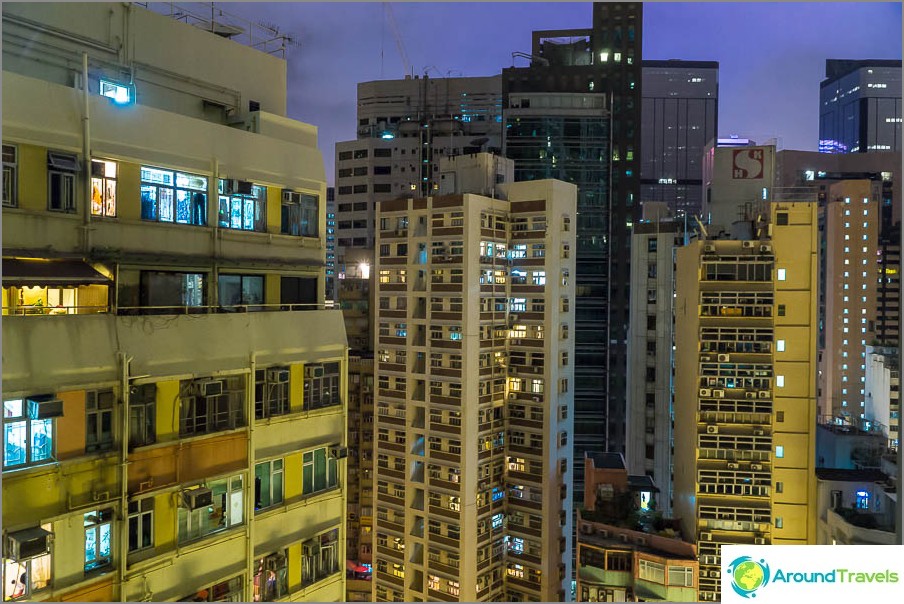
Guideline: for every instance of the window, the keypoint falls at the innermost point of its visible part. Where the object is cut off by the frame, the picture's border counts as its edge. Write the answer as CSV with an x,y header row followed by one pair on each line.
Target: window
x,y
23,578
650,571
225,510
780,346
779,416
240,290
320,557
862,502
779,487
779,451
25,441
141,524
163,291
780,310
177,197
61,171
209,406
103,188
319,471
10,173
781,274
142,415
271,392
682,576
271,577
299,214
778,522
268,484
99,414
98,538
321,386
781,218
242,207
780,381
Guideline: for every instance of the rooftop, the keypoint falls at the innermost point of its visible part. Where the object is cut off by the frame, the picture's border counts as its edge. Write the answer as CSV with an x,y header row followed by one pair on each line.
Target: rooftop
x,y
611,461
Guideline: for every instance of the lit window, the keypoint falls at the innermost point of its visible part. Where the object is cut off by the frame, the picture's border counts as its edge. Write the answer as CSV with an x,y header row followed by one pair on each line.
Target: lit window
x,y
780,381
98,538
781,274
119,93
779,451
25,441
103,188
169,196
780,346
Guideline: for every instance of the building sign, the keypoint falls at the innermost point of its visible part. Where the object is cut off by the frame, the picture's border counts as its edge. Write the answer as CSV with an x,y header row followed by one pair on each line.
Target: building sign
x,y
747,163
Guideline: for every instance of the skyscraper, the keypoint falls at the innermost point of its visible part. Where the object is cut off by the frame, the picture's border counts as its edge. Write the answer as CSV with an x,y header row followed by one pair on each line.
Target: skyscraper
x,y
574,115
745,386
680,115
173,391
860,106
474,371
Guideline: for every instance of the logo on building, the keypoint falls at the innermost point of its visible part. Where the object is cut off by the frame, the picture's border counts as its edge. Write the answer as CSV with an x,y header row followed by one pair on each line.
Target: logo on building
x,y
748,575
747,163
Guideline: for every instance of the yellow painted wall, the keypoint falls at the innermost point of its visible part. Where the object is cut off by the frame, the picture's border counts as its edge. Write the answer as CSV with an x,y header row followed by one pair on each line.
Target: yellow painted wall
x,y
296,387
167,410
797,343
271,288
796,307
274,209
292,476
294,556
797,379
796,415
164,521
128,205
33,177
796,450
794,485
794,521
6,291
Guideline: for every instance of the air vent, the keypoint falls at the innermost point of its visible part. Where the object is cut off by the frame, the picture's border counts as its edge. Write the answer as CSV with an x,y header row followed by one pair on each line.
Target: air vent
x,y
733,466
765,249
709,248
763,394
747,244
750,395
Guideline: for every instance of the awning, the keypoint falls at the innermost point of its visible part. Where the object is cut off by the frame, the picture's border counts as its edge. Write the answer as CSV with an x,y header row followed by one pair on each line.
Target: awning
x,y
40,272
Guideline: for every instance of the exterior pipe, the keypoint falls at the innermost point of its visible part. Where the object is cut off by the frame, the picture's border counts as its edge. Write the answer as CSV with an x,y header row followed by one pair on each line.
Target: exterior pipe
x,y
86,153
124,475
249,486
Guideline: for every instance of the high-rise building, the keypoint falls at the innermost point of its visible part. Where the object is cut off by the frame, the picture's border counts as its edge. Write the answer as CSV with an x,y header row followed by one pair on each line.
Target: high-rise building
x,y
174,424
575,114
860,106
474,372
883,391
745,386
330,274
680,115
650,349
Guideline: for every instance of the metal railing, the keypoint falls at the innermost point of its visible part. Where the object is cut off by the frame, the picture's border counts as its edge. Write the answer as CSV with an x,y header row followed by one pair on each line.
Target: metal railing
x,y
185,309
31,310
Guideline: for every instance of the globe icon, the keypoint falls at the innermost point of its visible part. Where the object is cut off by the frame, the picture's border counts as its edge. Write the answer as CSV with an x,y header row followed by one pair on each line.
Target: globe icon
x,y
748,575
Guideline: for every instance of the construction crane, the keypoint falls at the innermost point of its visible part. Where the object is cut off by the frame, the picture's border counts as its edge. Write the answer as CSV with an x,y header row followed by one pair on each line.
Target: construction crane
x,y
398,38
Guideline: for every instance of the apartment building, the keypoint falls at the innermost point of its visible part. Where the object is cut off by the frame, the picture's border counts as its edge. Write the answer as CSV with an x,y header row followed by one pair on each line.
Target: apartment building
x,y
745,387
173,391
651,338
883,391
474,370
855,507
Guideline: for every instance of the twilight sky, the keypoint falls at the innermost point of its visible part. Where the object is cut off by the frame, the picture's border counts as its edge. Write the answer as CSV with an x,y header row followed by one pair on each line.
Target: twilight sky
x,y
771,55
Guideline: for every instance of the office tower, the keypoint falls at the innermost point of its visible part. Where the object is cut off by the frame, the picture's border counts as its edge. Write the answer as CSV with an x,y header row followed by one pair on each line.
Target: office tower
x,y
650,342
745,387
330,273
404,128
174,424
680,109
883,391
574,114
473,405
860,106
626,550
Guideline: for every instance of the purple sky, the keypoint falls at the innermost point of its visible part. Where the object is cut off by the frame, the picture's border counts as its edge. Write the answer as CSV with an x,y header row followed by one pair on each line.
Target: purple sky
x,y
771,55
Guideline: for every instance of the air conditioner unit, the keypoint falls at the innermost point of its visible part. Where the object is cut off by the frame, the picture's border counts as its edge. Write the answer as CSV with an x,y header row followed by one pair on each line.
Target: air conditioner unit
x,y
209,388
712,429
623,537
197,498
714,574
759,540
709,247
291,197
27,543
763,394
756,466
733,466
750,395
706,536
747,244
240,187
718,394
724,358
278,375
758,432
337,452
537,399
765,249
705,392
44,406
313,371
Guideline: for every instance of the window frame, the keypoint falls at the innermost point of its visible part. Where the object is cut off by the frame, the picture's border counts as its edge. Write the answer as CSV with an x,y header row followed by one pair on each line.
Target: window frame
x,y
156,215
143,433
330,476
10,175
103,517
104,187
28,425
233,397
95,410
272,473
258,200
141,511
297,217
65,167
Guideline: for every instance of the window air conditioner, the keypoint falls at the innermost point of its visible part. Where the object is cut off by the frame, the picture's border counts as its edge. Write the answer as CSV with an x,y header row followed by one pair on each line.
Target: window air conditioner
x,y
278,375
712,429
718,394
709,247
240,187
352,516
512,369
538,370
538,399
706,536
197,498
765,249
337,452
291,197
750,395
756,466
44,406
313,371
758,432
759,541
209,388
733,466
763,394
512,396
747,244
706,392
27,543
714,574
724,358
705,357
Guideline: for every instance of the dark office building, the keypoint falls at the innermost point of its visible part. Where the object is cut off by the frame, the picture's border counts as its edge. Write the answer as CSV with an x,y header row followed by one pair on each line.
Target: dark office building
x,y
574,114
680,109
860,106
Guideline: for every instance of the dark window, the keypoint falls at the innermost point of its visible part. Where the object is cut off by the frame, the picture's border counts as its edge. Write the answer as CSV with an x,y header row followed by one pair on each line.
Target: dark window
x,y
781,310
10,172
360,189
99,426
381,170
382,188
240,290
301,291
360,171
208,406
651,245
781,218
271,392
61,171
167,292
268,484
360,205
141,524
360,154
299,214
779,416
142,415
344,155
382,153
321,386
319,471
